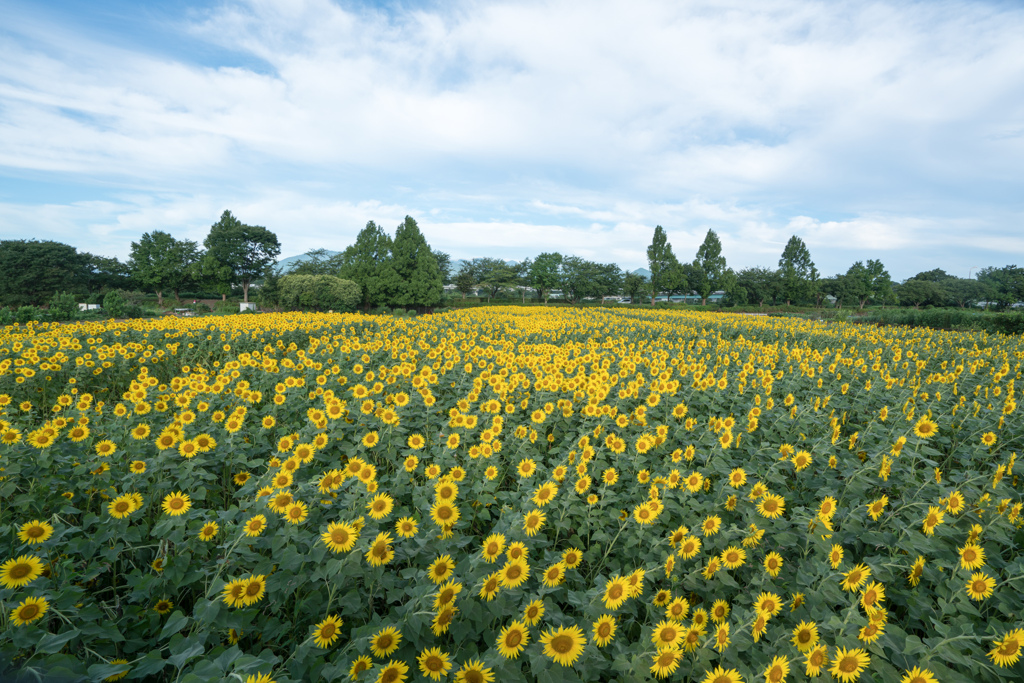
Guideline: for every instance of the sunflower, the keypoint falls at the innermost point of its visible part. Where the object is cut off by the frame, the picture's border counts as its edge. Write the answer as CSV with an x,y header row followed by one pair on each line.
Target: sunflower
x,y
434,663
176,504
255,588
406,527
711,525
163,606
855,578
759,626
393,672
491,586
805,636
234,593
564,645
29,610
847,665
474,671
932,519
835,556
918,675
514,573
296,513
381,506
326,632
609,476
533,612
572,557
255,525
209,531
772,506
385,641
444,514
340,537
980,586
689,547
446,594
773,564
1007,650
737,478
916,571
604,630
554,575
517,551
446,490
441,569
666,635
815,661
720,675
533,521
513,640
733,557
20,571
924,429
616,591
137,467
972,556
121,507
768,603
359,665
492,547
777,670
380,552
873,594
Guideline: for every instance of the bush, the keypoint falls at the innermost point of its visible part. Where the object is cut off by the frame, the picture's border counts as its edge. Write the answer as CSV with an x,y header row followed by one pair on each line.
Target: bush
x,y
321,292
63,306
26,314
114,304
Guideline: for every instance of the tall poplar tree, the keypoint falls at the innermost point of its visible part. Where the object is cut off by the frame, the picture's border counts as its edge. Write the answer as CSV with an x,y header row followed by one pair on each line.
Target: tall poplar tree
x,y
799,277
661,262
419,282
709,266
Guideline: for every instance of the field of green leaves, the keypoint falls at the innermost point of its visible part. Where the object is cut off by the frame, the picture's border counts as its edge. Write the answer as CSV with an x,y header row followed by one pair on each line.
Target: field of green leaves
x,y
509,494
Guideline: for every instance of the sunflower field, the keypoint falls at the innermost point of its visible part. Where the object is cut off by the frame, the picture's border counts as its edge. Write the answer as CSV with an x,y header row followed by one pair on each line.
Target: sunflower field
x,y
509,494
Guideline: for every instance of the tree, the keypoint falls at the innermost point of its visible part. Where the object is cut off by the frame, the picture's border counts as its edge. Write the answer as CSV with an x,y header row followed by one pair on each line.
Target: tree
x,y
607,280
367,262
1005,284
419,281
239,251
709,266
635,286
320,292
160,262
797,273
31,272
579,278
919,292
676,280
318,262
108,273
661,262
444,264
270,289
868,282
493,275
522,274
545,274
761,284
465,279
966,292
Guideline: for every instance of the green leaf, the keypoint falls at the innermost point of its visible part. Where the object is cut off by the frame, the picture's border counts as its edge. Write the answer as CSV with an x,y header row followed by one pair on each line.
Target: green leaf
x,y
53,642
175,623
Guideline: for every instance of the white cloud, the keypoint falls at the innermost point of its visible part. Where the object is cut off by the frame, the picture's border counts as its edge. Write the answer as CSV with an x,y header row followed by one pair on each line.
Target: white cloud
x,y
858,126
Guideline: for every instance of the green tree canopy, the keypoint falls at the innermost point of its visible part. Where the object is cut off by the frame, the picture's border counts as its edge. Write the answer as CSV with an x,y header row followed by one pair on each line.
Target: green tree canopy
x,y
762,285
662,263
545,274
709,266
419,280
636,286
31,272
159,262
798,276
237,253
367,262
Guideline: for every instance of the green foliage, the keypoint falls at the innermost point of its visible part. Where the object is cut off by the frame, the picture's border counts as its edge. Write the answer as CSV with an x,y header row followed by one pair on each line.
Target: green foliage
x,y
798,276
238,253
320,292
664,267
419,280
63,306
31,272
367,262
545,274
114,304
160,262
709,266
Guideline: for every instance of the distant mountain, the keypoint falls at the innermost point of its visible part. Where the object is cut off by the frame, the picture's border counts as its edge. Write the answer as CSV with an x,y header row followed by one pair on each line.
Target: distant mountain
x,y
643,272
286,264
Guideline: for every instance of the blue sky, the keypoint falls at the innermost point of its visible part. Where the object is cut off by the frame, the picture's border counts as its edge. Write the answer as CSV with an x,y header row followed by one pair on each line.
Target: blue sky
x,y
888,130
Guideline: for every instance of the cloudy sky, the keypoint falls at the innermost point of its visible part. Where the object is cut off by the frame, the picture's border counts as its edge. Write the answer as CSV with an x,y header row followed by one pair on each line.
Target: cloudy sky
x,y
889,130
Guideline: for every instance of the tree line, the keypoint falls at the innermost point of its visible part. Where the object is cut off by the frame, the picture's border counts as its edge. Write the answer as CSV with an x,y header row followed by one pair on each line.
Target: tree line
x,y
378,270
